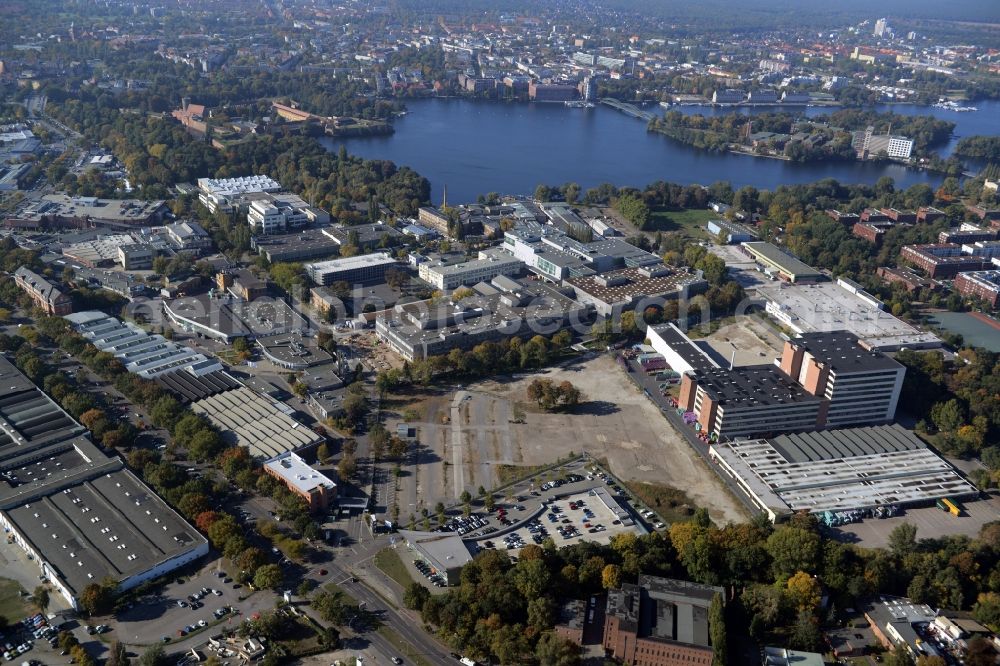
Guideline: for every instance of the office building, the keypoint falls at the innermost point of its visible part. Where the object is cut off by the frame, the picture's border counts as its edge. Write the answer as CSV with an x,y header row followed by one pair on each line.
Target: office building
x,y
498,310
984,285
135,256
353,270
862,386
831,471
315,488
551,92
870,145
45,295
225,194
465,273
278,213
142,354
189,236
241,283
894,622
660,622
80,516
365,237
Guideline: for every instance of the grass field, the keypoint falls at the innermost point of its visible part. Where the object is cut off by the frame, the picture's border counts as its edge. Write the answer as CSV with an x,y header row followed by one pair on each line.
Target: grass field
x,y
392,565
690,221
671,504
12,606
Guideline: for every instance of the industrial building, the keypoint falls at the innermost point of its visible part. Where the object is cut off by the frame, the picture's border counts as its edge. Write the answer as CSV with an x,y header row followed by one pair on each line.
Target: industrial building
x,y
188,236
749,400
45,295
773,261
79,514
366,237
298,246
359,269
263,426
862,386
142,354
841,305
315,488
498,310
731,232
444,552
292,351
622,289
225,317
832,471
448,276
822,380
681,353
660,622
82,211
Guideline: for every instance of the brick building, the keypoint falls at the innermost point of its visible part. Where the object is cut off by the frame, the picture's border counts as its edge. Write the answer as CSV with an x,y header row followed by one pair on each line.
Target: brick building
x,y
984,285
315,488
660,622
45,294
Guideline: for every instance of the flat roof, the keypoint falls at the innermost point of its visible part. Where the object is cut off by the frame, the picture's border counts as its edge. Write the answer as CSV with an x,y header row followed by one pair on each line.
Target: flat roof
x,y
472,264
683,346
626,284
843,352
445,550
348,263
664,609
111,525
28,417
786,263
838,470
827,306
251,420
752,385
292,348
296,472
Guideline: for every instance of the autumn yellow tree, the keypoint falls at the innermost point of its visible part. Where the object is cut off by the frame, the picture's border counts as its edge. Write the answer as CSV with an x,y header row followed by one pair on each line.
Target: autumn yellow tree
x,y
803,591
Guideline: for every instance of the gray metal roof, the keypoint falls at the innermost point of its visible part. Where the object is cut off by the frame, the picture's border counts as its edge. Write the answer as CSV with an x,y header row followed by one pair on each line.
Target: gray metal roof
x,y
832,444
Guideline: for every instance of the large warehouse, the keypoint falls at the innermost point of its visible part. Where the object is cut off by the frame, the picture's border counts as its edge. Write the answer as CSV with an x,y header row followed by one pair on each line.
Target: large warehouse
x,y
839,470
80,515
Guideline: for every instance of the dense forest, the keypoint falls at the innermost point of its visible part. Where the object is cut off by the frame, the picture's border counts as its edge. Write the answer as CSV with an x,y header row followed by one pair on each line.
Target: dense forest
x,y
979,147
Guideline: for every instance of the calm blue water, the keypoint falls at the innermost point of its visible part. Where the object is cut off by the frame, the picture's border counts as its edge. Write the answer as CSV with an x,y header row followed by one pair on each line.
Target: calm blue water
x,y
479,147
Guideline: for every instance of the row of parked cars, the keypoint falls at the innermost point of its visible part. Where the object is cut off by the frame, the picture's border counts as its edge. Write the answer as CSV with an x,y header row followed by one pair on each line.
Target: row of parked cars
x,y
434,577
17,642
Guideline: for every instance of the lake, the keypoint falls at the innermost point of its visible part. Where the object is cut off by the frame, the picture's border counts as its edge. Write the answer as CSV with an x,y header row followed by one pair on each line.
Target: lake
x,y
475,147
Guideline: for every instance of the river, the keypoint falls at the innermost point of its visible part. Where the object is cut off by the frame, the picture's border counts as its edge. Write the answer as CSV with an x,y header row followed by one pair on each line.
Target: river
x,y
474,147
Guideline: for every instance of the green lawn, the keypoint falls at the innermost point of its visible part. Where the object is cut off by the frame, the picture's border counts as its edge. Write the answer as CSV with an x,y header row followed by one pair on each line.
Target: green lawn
x,y
12,606
392,565
690,221
671,504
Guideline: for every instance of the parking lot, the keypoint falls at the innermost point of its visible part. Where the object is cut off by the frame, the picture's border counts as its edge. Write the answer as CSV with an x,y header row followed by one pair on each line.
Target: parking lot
x,y
577,517
931,522
180,609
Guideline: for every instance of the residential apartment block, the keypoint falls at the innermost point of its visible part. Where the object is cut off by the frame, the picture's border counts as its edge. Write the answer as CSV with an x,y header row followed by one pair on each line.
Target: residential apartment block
x,y
984,285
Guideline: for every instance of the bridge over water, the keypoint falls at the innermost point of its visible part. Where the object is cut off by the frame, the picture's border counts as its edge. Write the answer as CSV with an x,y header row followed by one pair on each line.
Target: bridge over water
x,y
630,109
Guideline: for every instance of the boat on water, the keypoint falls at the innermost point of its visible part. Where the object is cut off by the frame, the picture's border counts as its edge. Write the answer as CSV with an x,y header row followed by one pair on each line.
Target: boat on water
x,y
579,104
949,105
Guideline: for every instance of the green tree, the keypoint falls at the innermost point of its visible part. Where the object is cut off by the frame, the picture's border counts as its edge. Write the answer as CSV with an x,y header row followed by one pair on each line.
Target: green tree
x,y
793,549
268,577
717,631
154,656
415,596
903,539
41,598
554,650
117,654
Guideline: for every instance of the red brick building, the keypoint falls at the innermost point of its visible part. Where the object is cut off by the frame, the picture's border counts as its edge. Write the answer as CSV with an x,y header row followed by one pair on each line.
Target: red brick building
x,y
660,622
984,285
45,294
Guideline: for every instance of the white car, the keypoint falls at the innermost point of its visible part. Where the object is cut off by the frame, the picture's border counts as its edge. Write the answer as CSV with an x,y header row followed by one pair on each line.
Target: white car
x,y
202,623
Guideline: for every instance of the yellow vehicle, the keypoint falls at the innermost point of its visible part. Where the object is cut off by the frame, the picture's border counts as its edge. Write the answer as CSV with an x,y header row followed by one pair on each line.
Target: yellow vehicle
x,y
948,505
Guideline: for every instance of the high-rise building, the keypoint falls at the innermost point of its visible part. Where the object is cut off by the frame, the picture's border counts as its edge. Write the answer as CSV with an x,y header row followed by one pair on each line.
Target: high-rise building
x,y
881,27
